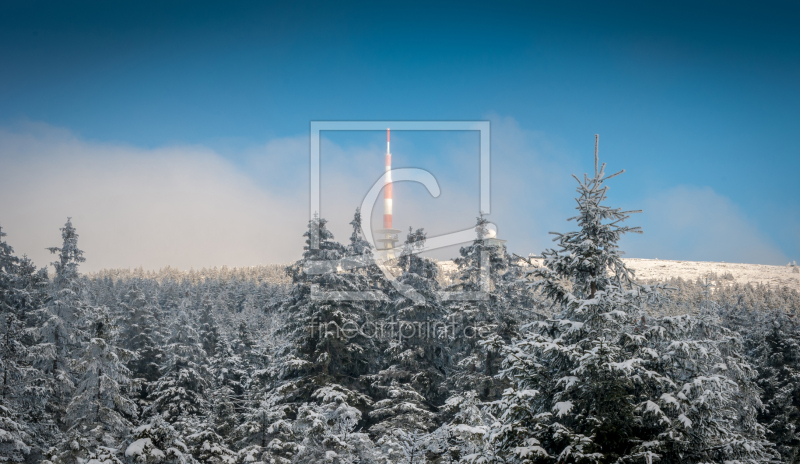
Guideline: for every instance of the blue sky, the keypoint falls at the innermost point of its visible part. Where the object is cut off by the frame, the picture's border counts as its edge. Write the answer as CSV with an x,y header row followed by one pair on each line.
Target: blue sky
x,y
698,101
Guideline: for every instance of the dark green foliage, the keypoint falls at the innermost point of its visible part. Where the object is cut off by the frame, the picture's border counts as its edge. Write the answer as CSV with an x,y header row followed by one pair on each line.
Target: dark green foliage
x,y
772,343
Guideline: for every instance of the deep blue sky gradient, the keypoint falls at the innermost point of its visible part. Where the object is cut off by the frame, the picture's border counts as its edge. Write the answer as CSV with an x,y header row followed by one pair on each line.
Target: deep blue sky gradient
x,y
682,93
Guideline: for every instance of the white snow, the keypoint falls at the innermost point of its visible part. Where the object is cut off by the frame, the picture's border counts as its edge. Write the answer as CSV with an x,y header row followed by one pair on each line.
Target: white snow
x,y
137,448
142,428
659,269
562,408
530,393
467,429
568,381
669,399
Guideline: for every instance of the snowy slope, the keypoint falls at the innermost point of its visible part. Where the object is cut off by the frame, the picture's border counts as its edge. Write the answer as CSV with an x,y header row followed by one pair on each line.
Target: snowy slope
x,y
775,276
656,269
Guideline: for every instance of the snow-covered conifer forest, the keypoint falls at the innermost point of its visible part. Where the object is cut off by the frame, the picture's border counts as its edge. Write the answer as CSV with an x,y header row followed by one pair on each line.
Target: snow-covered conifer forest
x,y
566,360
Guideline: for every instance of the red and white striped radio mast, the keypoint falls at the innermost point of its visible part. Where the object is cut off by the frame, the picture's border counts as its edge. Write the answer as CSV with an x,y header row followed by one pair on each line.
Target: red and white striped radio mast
x,y
387,190
388,236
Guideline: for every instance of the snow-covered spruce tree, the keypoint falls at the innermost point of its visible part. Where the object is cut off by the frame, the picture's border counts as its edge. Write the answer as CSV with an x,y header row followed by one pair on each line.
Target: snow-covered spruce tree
x,y
265,415
470,260
180,391
15,434
418,271
157,442
266,433
323,345
8,274
144,338
180,396
207,446
15,438
12,350
230,374
209,332
228,371
499,304
244,343
772,342
328,429
358,258
779,379
320,328
402,417
465,434
26,426
31,293
416,359
419,354
358,244
61,326
99,414
601,384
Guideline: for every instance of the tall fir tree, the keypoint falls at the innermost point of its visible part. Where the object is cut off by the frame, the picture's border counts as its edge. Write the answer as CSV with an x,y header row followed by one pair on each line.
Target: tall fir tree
x,y
410,382
772,342
61,329
492,302
599,383
180,394
15,434
99,414
144,338
209,332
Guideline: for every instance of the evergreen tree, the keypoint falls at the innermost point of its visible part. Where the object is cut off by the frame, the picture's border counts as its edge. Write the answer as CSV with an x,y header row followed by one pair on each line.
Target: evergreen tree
x,y
231,372
266,433
265,429
323,345
61,330
209,333
25,425
465,434
401,411
99,414
358,244
8,272
416,359
31,293
323,331
601,384
772,341
179,395
494,306
157,442
144,338
327,428
244,343
779,378
15,437
12,351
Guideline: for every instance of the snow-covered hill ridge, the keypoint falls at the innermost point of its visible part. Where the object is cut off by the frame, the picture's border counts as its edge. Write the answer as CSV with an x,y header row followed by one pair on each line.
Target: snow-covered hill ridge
x,y
657,269
774,276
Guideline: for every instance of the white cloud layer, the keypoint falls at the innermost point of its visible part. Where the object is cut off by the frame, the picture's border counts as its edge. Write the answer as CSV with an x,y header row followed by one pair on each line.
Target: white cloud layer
x,y
186,206
179,206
